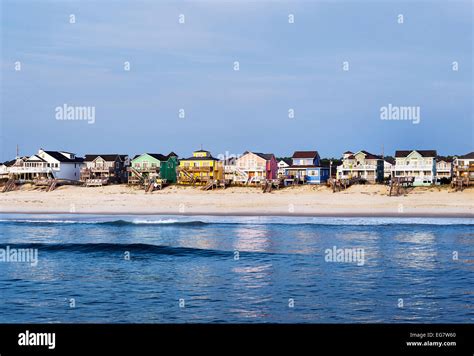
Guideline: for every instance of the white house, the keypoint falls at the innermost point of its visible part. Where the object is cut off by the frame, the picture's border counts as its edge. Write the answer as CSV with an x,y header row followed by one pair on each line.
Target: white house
x,y
419,164
48,164
283,164
5,167
362,165
444,168
388,164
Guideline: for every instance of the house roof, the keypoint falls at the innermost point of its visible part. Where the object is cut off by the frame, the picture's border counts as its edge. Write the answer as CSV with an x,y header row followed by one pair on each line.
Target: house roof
x,y
423,153
265,156
368,155
285,160
9,163
106,157
62,158
202,151
348,152
305,154
303,167
157,156
469,155
390,160
443,158
199,159
35,158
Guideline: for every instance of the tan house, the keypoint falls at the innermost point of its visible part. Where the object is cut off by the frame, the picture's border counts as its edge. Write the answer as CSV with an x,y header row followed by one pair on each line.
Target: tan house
x,y
257,166
363,165
463,166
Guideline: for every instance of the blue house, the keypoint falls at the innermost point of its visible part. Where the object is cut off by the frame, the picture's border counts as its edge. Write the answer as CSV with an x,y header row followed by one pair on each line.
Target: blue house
x,y
306,168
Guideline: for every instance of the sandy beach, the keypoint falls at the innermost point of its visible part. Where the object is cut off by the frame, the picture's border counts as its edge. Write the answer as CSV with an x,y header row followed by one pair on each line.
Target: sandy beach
x,y
366,200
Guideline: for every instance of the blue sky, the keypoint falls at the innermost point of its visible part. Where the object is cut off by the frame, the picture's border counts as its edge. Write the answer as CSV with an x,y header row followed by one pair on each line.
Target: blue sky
x,y
282,66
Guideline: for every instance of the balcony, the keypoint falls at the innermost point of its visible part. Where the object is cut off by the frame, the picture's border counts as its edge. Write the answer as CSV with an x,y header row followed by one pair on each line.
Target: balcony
x,y
142,169
465,168
410,167
24,169
360,167
99,169
196,169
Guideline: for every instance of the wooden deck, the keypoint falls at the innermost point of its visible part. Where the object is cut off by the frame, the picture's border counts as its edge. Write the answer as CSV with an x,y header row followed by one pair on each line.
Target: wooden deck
x,y
399,185
338,185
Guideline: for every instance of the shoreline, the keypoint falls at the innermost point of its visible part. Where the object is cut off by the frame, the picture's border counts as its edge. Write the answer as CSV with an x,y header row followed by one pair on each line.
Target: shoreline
x,y
253,214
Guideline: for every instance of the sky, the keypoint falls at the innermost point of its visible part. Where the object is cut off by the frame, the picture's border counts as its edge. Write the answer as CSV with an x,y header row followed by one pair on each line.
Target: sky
x,y
190,66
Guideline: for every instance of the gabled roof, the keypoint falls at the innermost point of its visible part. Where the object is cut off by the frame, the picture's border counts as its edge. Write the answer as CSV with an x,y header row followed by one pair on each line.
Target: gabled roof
x,y
62,158
390,160
106,157
423,153
35,158
305,154
285,160
368,155
157,156
265,156
469,155
9,163
445,159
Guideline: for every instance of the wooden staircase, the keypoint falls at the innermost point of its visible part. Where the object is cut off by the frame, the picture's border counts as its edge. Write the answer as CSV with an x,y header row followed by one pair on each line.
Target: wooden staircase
x,y
191,179
459,183
9,186
52,185
136,177
209,185
241,176
267,187
150,187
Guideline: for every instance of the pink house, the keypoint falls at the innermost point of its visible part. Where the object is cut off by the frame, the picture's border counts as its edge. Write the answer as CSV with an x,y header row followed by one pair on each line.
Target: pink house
x,y
258,166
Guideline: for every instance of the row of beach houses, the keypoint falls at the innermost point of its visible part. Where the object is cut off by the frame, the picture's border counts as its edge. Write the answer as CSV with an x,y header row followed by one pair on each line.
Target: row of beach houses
x,y
304,167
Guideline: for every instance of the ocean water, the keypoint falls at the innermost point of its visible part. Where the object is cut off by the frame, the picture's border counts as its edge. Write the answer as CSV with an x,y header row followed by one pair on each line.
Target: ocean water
x,y
204,269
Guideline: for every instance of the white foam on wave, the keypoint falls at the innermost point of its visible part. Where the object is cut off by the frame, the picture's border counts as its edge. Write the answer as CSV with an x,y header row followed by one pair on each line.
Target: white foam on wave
x,y
152,222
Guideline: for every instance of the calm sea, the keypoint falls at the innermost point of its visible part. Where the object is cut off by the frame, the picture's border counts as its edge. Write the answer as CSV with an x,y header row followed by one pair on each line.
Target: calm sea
x,y
188,269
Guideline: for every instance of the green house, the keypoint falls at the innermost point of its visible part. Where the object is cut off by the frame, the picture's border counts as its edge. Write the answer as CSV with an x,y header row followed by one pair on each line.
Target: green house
x,y
150,165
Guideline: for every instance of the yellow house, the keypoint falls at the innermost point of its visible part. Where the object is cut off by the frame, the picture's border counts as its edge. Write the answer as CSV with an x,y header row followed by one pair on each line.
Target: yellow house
x,y
200,168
